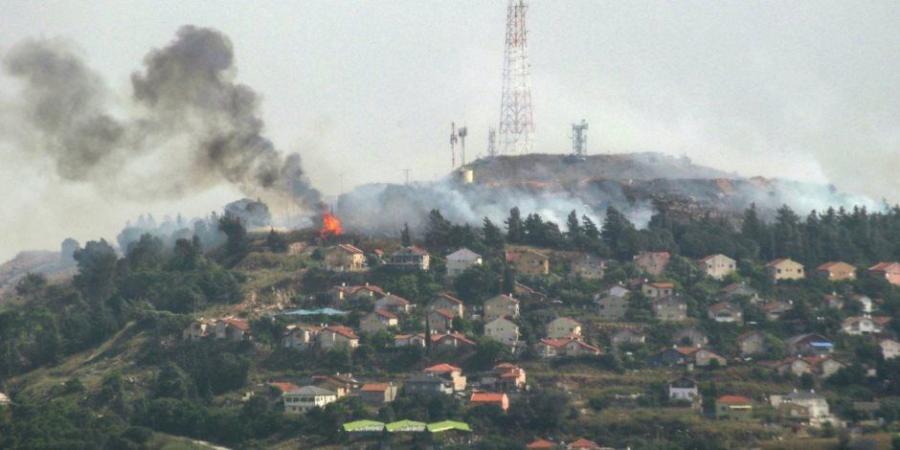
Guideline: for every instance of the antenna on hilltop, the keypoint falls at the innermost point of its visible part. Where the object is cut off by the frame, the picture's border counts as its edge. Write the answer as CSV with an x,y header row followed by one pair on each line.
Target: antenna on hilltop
x,y
462,133
579,139
452,145
492,143
516,122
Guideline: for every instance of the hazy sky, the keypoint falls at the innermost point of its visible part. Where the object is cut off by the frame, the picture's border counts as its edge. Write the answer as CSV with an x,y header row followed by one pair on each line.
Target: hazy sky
x,y
805,90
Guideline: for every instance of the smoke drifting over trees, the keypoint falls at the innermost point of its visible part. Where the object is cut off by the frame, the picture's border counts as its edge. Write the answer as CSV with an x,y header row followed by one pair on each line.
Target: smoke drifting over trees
x,y
188,125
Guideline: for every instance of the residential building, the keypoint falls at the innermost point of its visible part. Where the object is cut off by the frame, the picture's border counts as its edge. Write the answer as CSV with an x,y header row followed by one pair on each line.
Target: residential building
x,y
658,289
337,336
344,258
670,309
833,301
775,310
675,356
394,304
808,344
866,305
542,444
740,290
428,384
503,330
452,340
299,336
341,384
409,340
890,348
822,366
366,293
528,261
836,271
683,389
734,407
233,329
378,320
378,394
498,399
199,329
588,267
705,358
306,398
752,343
505,377
725,312
583,444
460,260
612,304
448,372
440,320
563,327
450,303
410,258
857,326
785,269
500,306
812,406
690,337
717,266
890,271
627,336
654,263
570,346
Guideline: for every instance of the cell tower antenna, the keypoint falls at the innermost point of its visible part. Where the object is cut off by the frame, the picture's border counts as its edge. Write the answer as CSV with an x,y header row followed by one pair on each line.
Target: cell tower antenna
x,y
492,143
462,133
406,175
452,145
579,138
516,121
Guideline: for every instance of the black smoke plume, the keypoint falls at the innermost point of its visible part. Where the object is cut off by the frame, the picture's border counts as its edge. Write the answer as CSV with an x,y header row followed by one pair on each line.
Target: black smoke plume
x,y
187,126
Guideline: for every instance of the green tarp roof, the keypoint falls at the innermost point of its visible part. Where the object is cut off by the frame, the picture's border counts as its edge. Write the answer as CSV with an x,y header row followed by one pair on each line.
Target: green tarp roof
x,y
405,425
448,425
363,425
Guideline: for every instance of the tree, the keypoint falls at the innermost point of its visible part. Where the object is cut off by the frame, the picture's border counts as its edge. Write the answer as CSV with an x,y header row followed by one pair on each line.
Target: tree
x,y
234,229
493,236
96,269
476,283
574,232
276,242
437,230
514,227
405,236
145,254
31,285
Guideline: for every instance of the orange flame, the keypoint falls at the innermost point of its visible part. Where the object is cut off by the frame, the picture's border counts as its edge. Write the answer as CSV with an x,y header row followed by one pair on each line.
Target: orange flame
x,y
331,225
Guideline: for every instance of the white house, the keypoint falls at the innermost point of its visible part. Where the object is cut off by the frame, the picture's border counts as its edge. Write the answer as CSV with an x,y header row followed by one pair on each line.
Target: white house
x,y
337,336
563,327
683,389
502,330
306,398
865,303
300,336
612,304
802,405
857,326
500,306
890,348
460,260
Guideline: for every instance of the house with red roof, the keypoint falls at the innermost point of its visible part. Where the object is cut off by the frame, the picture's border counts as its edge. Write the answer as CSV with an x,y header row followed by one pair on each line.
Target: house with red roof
x,y
440,320
344,258
785,269
734,407
337,336
542,444
378,394
452,340
583,444
836,271
378,320
449,303
506,377
568,346
233,329
499,399
448,372
395,304
890,271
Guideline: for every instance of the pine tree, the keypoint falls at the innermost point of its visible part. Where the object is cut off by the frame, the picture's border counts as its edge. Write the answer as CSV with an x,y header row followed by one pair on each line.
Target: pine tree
x,y
405,237
514,226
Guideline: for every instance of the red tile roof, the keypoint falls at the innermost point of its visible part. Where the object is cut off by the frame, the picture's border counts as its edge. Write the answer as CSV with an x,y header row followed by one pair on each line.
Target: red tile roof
x,y
734,400
584,443
450,298
350,249
442,368
343,331
540,444
444,313
240,324
284,386
375,387
885,266
487,397
385,314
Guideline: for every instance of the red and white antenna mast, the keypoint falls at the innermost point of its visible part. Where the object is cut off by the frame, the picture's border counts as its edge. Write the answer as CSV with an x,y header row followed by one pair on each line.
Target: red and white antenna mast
x,y
516,122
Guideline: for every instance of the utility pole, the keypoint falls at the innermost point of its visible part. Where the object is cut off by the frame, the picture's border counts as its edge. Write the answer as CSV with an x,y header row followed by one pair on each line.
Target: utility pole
x,y
516,116
453,139
579,139
462,133
492,143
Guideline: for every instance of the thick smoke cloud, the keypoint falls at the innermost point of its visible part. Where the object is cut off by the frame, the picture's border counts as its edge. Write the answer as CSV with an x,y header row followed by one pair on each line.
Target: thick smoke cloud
x,y
187,127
